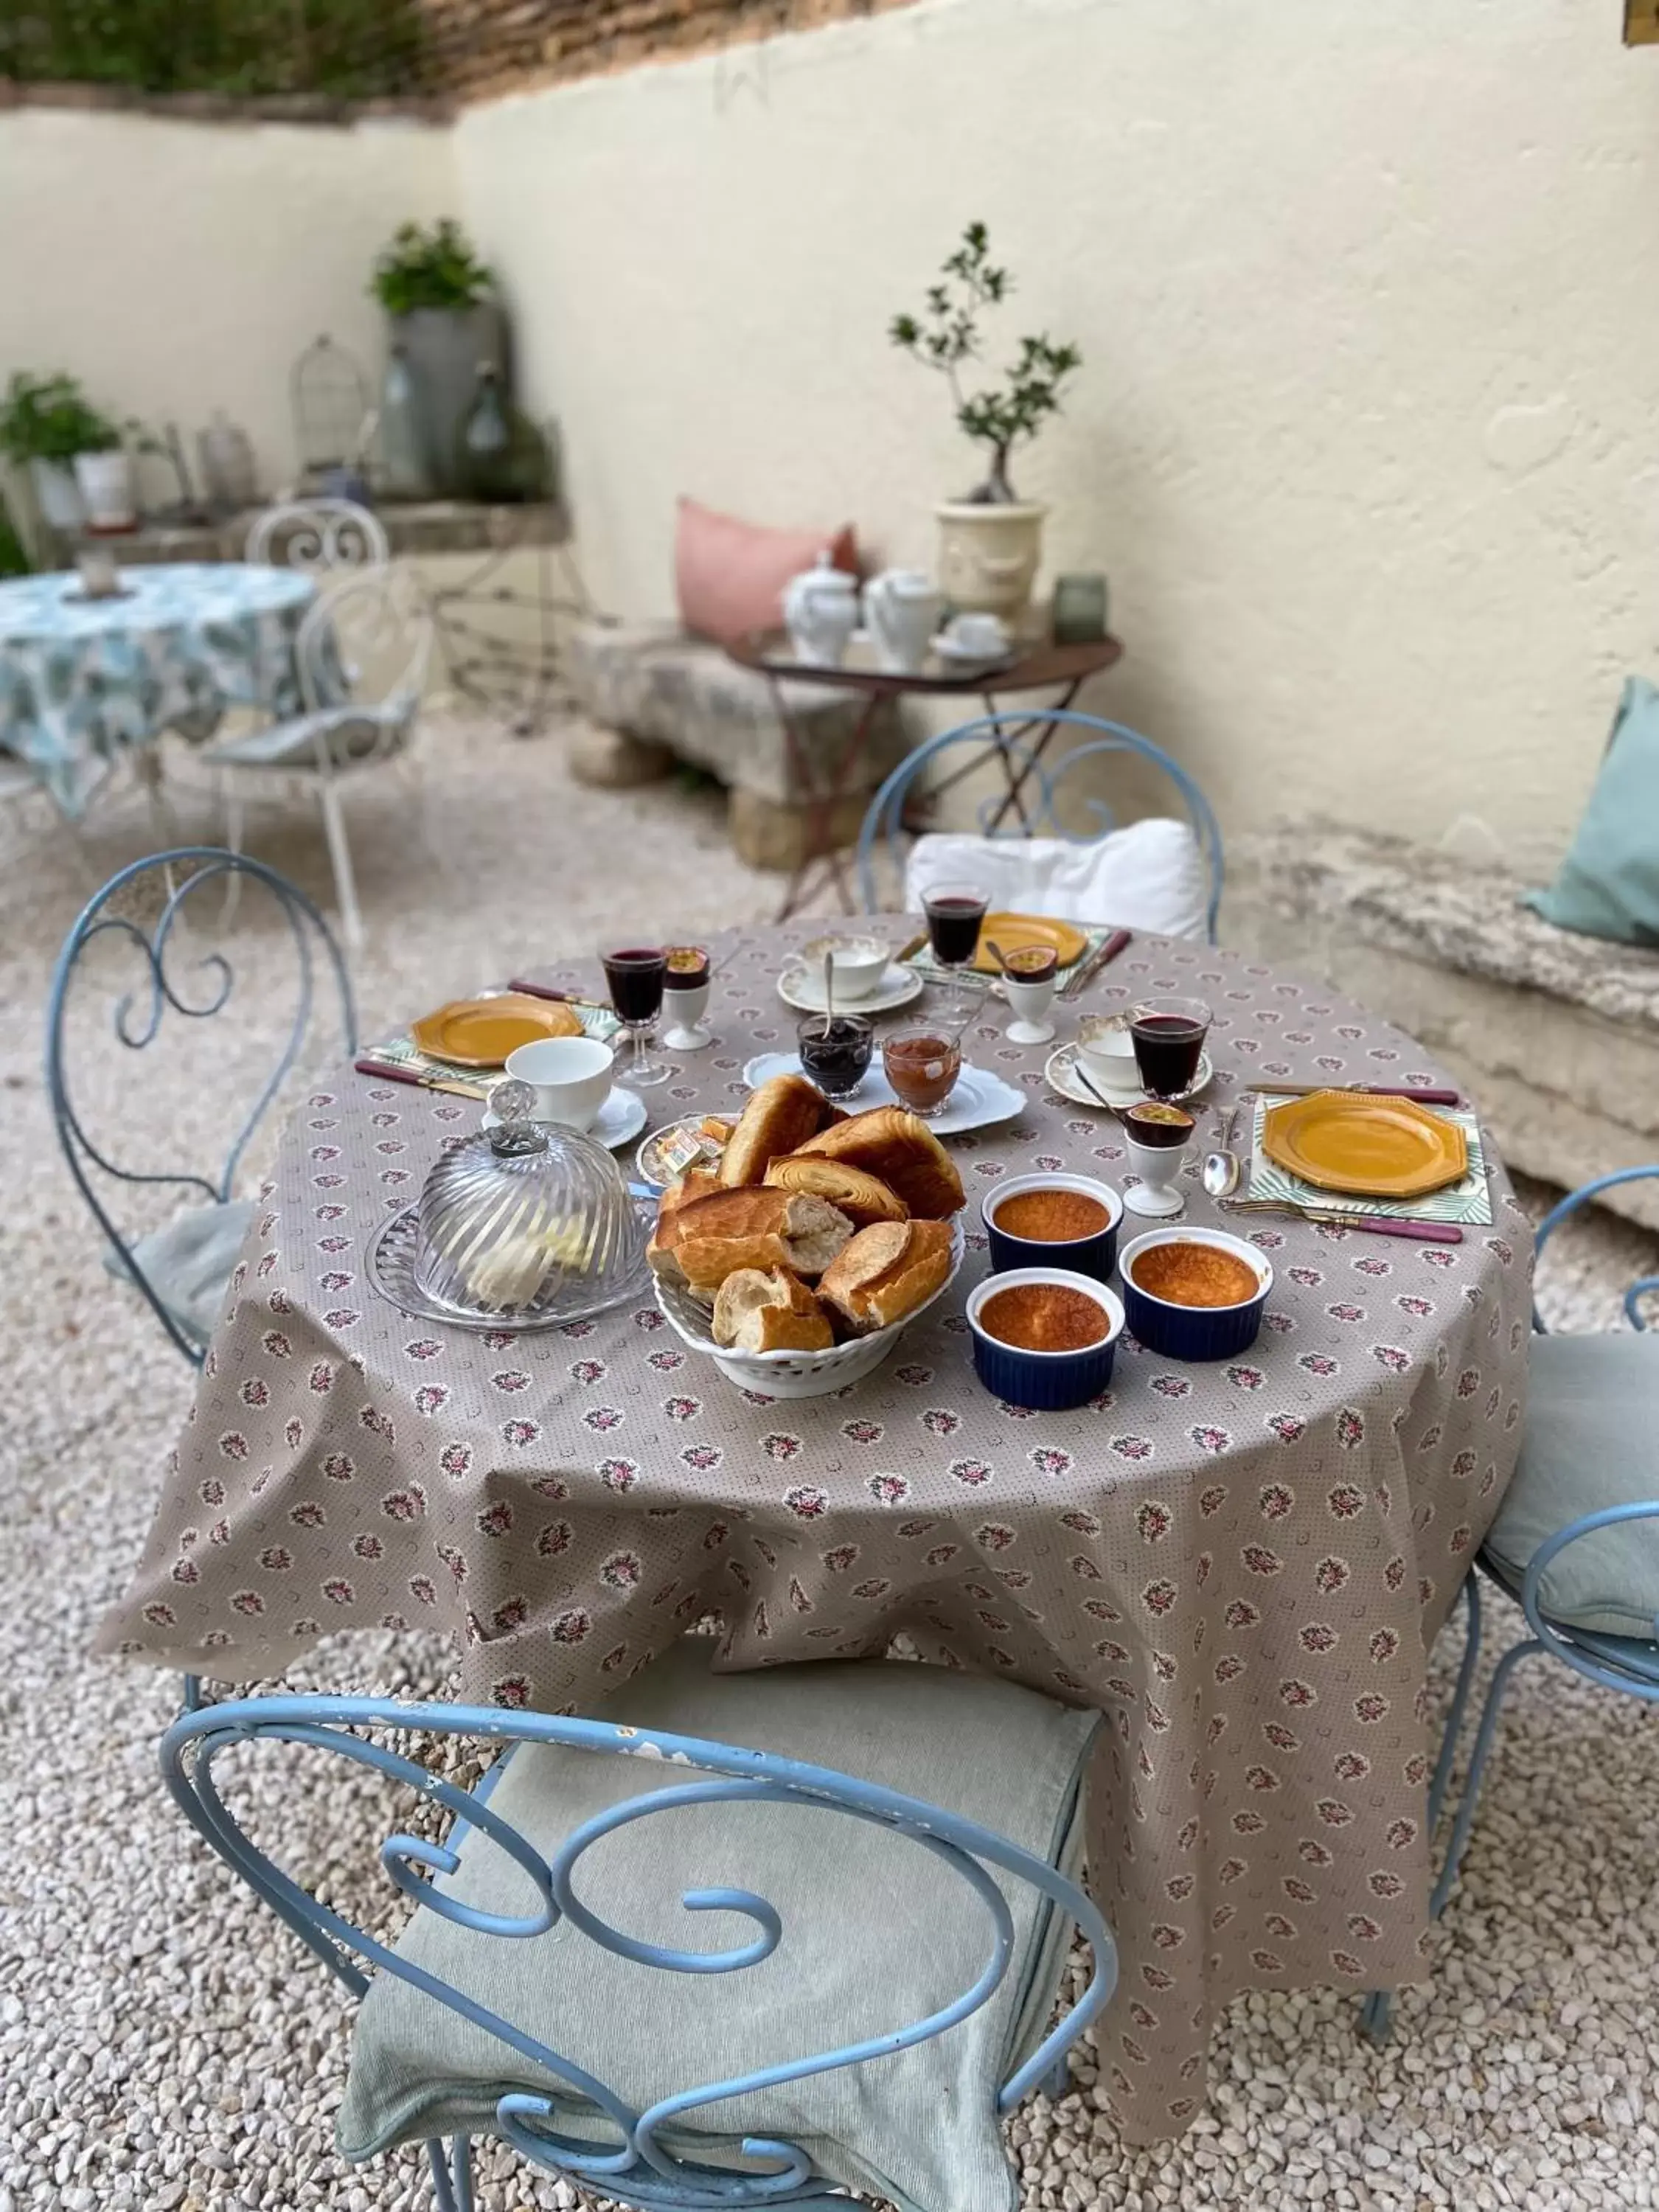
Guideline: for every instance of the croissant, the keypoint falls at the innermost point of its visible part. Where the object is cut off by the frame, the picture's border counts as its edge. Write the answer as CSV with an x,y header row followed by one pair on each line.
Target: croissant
x,y
901,1151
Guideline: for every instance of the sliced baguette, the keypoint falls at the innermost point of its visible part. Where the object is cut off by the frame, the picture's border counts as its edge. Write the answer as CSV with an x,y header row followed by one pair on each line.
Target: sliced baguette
x,y
701,1243
770,1310
886,1272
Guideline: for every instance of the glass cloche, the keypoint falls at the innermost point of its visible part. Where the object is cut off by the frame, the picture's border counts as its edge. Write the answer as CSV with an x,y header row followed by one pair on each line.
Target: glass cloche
x,y
525,1224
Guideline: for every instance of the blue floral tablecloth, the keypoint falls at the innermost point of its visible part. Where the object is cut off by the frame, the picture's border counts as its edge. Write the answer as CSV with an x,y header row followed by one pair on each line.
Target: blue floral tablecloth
x,y
81,679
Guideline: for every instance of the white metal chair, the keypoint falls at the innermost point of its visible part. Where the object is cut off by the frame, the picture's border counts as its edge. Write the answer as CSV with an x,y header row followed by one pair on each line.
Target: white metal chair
x,y
317,536
363,650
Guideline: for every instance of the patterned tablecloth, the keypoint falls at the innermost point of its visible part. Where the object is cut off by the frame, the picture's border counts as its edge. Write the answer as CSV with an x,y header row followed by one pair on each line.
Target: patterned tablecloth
x,y
1242,1564
81,679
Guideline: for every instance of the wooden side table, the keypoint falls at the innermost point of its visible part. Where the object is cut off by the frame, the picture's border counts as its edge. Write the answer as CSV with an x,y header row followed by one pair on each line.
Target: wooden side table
x,y
1039,665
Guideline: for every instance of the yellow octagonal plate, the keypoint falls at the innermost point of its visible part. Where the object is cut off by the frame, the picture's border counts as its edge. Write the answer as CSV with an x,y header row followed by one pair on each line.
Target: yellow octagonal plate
x,y
481,1032
1011,931
1365,1147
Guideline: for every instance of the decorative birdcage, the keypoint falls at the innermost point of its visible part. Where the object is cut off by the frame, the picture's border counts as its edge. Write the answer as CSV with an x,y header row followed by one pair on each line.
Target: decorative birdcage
x,y
330,395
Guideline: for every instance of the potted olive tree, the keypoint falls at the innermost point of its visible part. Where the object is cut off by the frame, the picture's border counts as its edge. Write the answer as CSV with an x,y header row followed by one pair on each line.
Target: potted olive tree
x,y
73,454
440,300
990,541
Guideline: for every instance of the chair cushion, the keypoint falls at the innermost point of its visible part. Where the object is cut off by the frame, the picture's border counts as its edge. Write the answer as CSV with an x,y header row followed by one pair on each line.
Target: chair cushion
x,y
350,732
729,574
1608,884
1592,1439
876,1932
1149,876
187,1264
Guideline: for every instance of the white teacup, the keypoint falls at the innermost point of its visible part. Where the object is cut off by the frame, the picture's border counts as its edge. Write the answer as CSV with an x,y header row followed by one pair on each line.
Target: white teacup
x,y
977,632
857,962
1108,1052
570,1077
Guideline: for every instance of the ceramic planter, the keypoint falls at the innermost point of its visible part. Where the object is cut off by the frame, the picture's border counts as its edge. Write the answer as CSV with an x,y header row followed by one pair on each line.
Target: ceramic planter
x,y
57,494
443,349
988,554
106,484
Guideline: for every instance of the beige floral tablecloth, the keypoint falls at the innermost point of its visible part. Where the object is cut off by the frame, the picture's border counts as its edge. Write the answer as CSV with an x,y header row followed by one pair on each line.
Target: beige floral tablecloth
x,y
1242,1564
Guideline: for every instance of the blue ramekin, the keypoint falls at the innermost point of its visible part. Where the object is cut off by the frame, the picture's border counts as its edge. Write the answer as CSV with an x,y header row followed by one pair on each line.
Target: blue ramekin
x,y
1048,1381
1194,1332
1094,1256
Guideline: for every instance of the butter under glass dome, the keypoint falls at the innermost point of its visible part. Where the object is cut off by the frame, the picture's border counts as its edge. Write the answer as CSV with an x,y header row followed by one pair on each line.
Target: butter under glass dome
x,y
526,1224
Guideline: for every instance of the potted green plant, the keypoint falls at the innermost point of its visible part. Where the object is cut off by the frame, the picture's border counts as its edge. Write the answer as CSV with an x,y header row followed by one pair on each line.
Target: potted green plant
x,y
991,540
440,300
48,426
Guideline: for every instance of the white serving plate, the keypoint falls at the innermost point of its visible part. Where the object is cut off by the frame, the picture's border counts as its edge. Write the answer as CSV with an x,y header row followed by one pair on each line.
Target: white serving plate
x,y
1060,1071
979,1101
802,988
794,1374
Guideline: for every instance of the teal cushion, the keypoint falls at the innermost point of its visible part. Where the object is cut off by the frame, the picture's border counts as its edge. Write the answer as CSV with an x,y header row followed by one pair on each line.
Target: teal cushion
x,y
1608,884
1592,1439
188,1263
877,1933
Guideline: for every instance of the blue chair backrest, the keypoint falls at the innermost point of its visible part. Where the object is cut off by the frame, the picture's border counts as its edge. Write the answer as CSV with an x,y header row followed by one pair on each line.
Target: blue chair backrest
x,y
1035,782
1610,1660
176,974
638,2167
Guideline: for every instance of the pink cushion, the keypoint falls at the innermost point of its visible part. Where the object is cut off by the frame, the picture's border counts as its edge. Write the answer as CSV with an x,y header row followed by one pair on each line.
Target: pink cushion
x,y
729,575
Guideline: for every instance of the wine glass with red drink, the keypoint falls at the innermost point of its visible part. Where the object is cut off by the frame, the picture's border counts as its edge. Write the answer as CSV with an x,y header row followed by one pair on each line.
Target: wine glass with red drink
x,y
634,976
954,914
1168,1035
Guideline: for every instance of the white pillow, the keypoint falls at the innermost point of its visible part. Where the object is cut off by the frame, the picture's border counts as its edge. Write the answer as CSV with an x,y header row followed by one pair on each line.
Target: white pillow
x,y
1150,876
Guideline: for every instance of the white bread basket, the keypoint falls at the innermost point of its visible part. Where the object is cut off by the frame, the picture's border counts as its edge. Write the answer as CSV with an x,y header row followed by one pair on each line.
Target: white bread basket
x,y
795,1374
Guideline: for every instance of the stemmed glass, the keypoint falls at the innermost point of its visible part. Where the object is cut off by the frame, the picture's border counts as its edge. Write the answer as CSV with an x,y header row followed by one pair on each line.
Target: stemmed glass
x,y
954,914
634,975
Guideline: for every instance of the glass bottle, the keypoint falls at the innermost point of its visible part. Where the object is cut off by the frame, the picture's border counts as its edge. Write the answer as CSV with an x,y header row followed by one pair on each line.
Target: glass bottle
x,y
501,454
405,467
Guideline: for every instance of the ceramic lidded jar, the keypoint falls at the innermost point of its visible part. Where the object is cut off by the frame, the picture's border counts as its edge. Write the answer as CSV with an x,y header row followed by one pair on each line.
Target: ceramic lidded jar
x,y
529,1219
903,608
821,612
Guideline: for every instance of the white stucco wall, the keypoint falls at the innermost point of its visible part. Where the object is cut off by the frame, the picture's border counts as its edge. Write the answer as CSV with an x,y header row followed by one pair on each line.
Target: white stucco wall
x,y
1368,435
177,267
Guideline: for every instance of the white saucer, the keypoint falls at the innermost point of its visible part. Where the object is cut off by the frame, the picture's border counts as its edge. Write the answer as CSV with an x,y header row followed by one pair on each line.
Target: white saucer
x,y
957,655
803,990
621,1117
980,1099
1060,1071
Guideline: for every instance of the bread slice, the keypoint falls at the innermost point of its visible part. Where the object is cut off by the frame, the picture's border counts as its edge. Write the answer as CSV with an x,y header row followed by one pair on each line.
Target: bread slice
x,y
777,1118
887,1271
901,1151
770,1310
862,1197
700,1243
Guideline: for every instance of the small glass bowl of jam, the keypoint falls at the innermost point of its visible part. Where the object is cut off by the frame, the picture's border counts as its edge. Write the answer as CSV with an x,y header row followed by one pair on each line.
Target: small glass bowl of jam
x,y
922,1060
836,1055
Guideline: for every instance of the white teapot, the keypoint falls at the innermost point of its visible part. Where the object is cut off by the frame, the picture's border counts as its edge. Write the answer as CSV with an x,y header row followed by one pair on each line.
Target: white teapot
x,y
902,608
821,611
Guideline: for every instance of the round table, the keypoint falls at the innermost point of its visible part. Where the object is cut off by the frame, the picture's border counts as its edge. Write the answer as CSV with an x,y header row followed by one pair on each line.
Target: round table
x,y
1242,1564
1034,665
81,678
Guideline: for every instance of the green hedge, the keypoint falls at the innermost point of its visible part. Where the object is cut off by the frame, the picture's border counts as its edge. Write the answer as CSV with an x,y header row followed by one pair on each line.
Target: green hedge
x,y
345,49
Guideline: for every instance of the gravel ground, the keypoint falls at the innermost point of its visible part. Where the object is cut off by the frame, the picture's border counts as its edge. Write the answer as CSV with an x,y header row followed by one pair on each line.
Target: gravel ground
x,y
163,2043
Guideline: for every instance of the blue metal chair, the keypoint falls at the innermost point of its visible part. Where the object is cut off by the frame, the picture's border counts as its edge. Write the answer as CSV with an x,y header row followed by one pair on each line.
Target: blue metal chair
x,y
493,1888
1031,784
1560,1461
174,1268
